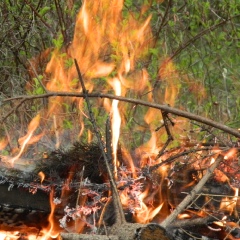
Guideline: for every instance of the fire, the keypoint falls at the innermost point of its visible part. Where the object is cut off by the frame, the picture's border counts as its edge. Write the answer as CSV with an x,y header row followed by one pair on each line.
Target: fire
x,y
28,138
229,204
50,231
3,143
42,176
145,213
116,121
107,50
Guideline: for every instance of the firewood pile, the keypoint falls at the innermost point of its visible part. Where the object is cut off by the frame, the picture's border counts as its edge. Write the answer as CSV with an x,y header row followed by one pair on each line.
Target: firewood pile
x,y
80,172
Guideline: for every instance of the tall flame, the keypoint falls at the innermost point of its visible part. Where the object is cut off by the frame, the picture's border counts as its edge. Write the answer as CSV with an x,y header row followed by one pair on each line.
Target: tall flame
x,y
50,231
116,121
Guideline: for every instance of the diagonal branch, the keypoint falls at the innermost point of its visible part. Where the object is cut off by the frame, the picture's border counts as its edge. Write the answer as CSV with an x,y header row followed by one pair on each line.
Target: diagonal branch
x,y
167,222
169,135
200,34
116,199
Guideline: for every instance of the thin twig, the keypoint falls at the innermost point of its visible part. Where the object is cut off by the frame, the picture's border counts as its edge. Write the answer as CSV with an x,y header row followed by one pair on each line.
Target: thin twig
x,y
172,158
36,75
200,34
192,194
170,137
109,140
116,199
36,12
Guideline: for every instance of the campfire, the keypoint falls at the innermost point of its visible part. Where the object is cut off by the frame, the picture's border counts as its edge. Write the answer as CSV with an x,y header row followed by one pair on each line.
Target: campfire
x,y
104,153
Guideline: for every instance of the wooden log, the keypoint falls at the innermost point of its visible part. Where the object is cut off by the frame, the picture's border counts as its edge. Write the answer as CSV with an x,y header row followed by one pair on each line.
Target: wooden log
x,y
75,236
151,232
20,197
127,231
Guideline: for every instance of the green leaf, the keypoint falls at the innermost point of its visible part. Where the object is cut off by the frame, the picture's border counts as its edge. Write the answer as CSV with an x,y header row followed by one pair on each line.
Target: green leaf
x,y
69,63
154,51
58,42
44,10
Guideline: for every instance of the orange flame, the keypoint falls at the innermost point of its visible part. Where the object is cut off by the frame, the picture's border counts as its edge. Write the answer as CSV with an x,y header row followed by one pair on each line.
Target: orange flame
x,y
28,138
229,204
42,176
50,231
3,143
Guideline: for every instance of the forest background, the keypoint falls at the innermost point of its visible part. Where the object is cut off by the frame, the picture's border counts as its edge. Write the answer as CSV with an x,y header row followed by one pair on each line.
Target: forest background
x,y
200,37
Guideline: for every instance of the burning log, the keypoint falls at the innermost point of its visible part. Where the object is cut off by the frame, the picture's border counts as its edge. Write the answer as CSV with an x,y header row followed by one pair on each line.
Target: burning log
x,y
93,187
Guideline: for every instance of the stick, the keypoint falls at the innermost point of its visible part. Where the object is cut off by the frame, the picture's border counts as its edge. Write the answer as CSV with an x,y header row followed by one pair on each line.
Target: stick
x,y
170,137
36,75
192,194
120,218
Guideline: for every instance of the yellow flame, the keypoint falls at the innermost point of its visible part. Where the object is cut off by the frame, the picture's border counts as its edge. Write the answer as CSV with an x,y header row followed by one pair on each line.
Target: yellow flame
x,y
116,121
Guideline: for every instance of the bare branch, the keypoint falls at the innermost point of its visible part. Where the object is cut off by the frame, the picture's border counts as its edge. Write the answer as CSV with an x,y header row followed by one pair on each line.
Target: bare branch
x,y
165,108
192,194
116,198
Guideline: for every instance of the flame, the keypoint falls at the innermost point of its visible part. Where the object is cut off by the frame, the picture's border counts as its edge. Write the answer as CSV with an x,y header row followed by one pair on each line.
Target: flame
x,y
184,216
231,153
42,176
28,138
145,214
116,121
212,160
3,143
108,48
50,231
229,204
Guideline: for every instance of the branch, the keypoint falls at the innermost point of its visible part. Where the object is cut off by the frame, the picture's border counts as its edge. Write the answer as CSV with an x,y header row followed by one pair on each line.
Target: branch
x,y
165,108
172,158
169,135
192,194
115,195
36,75
36,12
203,32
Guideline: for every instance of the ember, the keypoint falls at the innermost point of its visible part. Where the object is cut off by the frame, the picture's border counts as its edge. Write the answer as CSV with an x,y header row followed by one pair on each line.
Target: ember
x,y
84,184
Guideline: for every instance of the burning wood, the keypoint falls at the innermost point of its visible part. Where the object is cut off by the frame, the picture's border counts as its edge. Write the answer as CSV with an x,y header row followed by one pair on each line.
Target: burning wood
x,y
100,189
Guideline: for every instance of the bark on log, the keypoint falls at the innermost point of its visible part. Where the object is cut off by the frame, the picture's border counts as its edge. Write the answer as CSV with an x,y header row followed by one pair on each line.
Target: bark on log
x,y
75,236
127,231
152,232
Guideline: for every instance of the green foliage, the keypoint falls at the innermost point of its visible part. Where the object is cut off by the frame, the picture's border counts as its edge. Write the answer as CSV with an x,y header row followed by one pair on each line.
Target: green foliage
x,y
58,42
67,124
37,88
206,58
44,10
69,63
